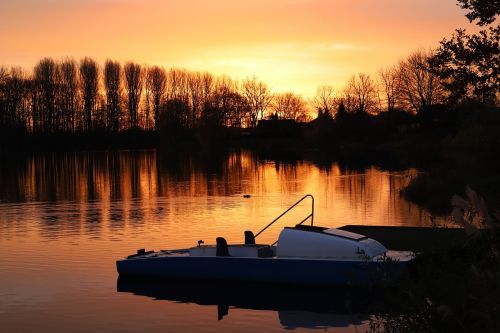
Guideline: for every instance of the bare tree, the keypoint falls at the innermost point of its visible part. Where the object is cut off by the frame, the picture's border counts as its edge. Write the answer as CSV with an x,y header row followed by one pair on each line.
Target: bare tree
x,y
195,85
178,94
290,106
89,76
258,97
219,111
133,85
112,87
14,109
324,101
207,87
100,117
237,109
419,86
348,99
4,75
157,81
363,88
69,93
148,100
46,83
391,86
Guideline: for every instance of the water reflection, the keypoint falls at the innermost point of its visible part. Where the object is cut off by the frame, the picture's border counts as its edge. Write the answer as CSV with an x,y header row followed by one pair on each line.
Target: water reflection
x,y
65,218
90,192
119,175
297,307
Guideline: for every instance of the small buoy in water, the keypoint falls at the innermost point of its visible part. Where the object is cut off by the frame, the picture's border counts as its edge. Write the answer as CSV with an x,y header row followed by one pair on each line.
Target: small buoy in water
x,y
246,196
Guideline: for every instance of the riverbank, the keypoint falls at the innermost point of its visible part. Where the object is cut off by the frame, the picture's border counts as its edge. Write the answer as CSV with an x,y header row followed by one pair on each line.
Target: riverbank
x,y
451,286
455,290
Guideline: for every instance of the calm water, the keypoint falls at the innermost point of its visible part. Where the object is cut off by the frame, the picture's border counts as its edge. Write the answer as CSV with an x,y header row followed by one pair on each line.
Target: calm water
x,y
66,218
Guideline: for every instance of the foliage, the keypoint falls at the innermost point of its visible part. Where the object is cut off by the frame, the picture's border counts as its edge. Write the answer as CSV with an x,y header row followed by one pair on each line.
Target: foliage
x,y
470,65
484,11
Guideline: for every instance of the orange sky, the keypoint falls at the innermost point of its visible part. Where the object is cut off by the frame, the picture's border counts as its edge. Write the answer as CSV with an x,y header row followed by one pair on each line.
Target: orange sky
x,y
291,44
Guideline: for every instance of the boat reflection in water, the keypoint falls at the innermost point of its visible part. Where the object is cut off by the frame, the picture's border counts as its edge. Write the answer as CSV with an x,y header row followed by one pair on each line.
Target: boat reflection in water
x,y
297,306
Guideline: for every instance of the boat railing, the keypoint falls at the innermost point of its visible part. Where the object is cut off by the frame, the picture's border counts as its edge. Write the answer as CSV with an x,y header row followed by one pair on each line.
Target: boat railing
x,y
310,216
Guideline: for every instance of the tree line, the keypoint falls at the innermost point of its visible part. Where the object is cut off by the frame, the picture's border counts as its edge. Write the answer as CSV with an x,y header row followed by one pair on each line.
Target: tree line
x,y
71,96
80,96
407,86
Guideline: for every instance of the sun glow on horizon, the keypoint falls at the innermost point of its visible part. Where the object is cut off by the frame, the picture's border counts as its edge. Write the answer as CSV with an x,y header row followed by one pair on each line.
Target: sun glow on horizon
x,y
293,45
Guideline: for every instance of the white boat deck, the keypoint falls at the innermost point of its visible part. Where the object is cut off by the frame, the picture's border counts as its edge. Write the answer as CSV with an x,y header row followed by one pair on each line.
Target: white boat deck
x,y
251,251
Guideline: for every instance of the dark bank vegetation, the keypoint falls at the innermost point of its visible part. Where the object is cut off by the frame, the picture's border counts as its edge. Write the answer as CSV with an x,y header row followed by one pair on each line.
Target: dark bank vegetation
x,y
455,290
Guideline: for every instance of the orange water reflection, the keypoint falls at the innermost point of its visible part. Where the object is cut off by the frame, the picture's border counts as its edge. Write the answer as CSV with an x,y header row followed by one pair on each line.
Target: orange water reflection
x,y
66,218
107,192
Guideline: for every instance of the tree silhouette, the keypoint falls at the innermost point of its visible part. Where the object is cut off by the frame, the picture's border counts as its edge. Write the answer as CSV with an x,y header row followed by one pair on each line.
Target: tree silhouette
x,y
133,86
258,97
470,64
89,74
391,86
348,99
177,90
289,106
324,101
13,95
341,111
67,96
222,101
46,85
364,90
157,79
112,87
420,87
69,93
485,11
195,87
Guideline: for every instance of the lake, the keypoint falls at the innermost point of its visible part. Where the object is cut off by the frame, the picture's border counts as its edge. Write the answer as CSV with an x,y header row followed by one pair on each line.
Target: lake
x,y
66,217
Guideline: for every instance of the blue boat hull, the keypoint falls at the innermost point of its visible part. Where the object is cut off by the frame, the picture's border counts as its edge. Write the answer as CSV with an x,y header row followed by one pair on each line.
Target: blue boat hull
x,y
267,270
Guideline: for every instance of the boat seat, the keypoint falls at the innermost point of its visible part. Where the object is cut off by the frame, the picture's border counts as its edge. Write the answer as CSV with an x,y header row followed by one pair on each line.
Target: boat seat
x,y
221,249
249,238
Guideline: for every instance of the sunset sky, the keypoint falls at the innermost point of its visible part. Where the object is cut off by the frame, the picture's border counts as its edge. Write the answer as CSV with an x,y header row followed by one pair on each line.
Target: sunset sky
x,y
291,44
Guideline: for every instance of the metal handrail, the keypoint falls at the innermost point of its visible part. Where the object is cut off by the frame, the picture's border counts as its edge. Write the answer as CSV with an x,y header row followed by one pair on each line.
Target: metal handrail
x,y
286,211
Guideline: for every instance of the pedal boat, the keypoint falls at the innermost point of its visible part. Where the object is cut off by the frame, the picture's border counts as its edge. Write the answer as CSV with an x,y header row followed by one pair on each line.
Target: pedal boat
x,y
304,255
